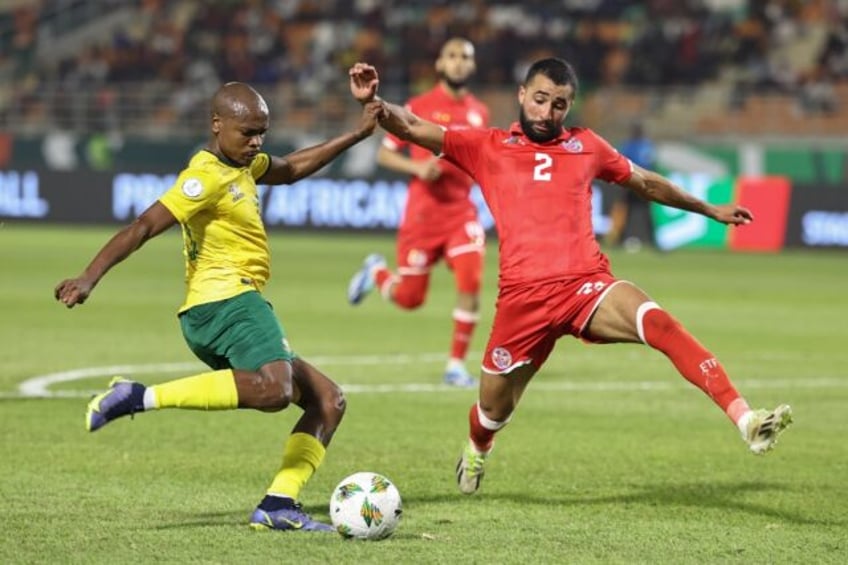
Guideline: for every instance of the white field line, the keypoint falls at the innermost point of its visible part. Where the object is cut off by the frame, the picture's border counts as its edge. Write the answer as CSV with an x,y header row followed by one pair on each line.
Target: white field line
x,y
39,386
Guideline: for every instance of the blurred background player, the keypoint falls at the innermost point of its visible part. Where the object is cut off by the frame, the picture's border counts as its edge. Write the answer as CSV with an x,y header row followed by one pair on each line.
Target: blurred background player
x,y
630,215
439,221
225,320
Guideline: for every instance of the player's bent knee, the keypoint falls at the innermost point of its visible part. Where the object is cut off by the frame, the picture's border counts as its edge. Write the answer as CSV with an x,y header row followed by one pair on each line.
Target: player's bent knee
x,y
409,298
496,416
334,404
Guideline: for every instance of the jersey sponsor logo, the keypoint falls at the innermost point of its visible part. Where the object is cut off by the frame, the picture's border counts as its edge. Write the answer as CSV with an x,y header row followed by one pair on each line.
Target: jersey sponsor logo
x,y
501,358
573,145
474,118
192,188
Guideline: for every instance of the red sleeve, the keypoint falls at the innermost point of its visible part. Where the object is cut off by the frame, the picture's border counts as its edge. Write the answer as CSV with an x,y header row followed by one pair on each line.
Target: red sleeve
x,y
611,165
463,147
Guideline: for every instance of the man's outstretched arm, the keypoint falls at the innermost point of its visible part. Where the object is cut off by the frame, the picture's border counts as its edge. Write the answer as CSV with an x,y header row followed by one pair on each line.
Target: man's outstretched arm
x,y
394,119
149,224
657,188
304,162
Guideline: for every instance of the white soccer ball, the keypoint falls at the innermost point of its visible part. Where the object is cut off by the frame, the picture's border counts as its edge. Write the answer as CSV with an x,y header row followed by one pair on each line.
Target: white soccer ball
x,y
365,505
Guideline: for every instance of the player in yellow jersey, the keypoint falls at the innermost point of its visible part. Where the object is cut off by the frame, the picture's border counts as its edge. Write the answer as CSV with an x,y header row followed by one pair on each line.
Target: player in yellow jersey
x,y
224,318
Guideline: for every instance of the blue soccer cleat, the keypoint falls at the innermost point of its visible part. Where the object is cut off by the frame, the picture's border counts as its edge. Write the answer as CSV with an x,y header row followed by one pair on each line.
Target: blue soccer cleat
x,y
124,398
291,517
362,281
459,377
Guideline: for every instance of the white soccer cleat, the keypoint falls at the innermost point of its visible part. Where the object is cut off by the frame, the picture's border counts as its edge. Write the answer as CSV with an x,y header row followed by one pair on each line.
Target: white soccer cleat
x,y
459,377
764,427
362,281
469,469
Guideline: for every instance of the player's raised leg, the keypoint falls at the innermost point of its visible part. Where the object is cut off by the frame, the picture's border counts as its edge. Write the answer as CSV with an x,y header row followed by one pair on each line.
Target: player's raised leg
x,y
627,314
214,390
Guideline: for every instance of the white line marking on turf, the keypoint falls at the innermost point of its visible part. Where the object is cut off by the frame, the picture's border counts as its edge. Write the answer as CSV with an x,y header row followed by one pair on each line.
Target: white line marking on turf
x,y
39,386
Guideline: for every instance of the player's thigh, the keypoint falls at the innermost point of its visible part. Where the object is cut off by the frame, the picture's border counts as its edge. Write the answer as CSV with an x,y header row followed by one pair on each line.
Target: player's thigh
x,y
417,251
522,332
614,320
500,393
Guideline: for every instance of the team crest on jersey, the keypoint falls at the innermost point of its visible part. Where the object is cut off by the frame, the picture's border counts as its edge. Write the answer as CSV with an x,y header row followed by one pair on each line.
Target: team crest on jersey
x,y
501,358
234,190
573,145
192,187
513,140
474,118
416,258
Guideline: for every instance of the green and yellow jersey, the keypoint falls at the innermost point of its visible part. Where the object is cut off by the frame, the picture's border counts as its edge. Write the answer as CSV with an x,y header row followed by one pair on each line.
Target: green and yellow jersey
x,y
226,248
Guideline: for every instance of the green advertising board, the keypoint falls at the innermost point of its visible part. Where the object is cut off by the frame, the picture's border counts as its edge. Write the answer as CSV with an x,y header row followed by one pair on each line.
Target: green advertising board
x,y
675,228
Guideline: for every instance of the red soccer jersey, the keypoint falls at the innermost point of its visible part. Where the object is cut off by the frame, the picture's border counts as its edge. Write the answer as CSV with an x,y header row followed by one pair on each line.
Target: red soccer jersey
x,y
431,204
540,195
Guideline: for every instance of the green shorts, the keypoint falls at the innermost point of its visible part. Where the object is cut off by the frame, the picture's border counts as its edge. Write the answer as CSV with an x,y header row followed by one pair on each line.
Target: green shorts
x,y
241,332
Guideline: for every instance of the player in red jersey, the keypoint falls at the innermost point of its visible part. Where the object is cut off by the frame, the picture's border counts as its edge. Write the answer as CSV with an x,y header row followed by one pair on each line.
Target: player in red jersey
x,y
536,178
439,220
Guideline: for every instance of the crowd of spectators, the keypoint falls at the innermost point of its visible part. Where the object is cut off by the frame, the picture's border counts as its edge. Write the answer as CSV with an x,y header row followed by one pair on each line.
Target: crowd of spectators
x,y
70,62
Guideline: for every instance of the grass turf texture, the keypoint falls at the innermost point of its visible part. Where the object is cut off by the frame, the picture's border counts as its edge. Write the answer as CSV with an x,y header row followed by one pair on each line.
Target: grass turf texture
x,y
611,456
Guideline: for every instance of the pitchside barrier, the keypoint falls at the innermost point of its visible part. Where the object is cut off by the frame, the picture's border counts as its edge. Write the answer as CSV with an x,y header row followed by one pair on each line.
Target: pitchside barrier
x,y
787,214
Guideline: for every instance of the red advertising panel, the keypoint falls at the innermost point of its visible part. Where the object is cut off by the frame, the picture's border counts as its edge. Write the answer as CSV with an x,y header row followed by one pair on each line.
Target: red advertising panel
x,y
768,199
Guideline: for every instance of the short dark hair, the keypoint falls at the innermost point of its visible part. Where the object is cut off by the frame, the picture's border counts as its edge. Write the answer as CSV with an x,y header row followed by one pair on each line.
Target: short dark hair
x,y
556,69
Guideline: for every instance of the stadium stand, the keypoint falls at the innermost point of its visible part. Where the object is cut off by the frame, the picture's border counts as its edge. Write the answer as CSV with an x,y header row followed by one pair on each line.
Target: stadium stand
x,y
705,67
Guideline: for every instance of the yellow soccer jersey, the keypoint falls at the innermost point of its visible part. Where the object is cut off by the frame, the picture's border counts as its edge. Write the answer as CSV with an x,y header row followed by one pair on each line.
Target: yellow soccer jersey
x,y
226,248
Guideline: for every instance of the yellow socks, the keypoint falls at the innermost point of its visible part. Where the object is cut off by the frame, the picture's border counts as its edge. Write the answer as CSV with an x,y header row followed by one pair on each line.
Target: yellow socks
x,y
301,456
206,391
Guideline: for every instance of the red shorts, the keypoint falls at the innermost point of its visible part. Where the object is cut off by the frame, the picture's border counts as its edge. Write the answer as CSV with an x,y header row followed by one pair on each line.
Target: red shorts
x,y
529,319
418,250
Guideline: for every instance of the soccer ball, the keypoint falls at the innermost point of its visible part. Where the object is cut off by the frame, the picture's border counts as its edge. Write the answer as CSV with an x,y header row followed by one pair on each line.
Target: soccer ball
x,y
365,506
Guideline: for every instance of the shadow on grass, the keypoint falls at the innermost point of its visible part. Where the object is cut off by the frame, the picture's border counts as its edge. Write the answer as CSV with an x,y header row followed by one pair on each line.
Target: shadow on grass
x,y
722,496
234,518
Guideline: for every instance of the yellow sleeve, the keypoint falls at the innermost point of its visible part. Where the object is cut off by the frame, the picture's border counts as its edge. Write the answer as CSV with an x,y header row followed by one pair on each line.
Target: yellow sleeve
x,y
193,191
260,165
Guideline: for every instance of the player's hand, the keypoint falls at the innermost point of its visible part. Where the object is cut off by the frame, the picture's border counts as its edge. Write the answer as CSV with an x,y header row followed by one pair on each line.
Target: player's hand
x,y
71,292
363,82
733,214
371,113
429,170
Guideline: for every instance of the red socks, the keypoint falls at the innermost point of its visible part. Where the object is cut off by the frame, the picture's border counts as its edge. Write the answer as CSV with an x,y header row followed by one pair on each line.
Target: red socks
x,y
481,429
464,323
700,367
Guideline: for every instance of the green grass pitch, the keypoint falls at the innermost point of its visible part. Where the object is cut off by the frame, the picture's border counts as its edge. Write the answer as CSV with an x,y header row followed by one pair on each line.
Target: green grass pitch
x,y
610,458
